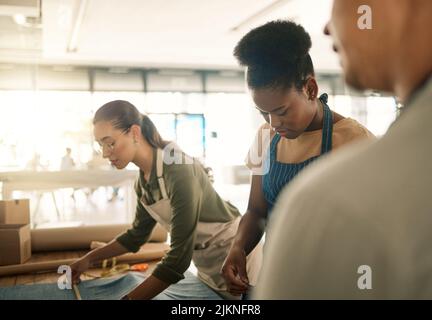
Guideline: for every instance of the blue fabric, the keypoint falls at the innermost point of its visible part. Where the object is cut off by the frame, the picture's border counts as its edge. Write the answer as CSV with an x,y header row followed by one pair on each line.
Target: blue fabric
x,y
279,173
111,289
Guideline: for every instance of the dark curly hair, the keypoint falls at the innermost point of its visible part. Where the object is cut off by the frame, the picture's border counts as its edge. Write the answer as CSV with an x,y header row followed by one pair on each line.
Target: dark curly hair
x,y
276,54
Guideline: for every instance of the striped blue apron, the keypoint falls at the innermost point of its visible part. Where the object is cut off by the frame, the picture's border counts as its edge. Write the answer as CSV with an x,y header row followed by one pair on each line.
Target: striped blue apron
x,y
279,173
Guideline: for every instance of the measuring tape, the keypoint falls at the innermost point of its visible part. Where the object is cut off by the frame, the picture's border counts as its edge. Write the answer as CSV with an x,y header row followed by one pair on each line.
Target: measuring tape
x,y
117,268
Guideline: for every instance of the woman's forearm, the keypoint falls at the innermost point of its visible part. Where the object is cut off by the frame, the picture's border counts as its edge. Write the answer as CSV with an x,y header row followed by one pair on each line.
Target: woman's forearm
x,y
250,231
111,249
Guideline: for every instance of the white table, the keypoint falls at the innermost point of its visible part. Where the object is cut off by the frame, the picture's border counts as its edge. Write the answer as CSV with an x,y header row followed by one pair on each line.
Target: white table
x,y
52,180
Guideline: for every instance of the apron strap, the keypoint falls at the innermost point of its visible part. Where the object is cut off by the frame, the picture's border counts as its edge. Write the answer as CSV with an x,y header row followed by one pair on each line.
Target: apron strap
x,y
273,147
327,131
159,173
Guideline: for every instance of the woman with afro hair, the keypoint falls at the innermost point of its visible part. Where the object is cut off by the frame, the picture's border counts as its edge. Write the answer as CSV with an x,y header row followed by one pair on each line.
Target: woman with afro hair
x,y
299,128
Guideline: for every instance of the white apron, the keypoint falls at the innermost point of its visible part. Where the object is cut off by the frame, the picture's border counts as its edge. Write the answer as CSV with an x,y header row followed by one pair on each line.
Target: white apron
x,y
212,241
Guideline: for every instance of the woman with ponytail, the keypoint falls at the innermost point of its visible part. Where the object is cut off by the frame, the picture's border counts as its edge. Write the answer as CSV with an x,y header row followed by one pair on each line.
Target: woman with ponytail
x,y
299,128
173,190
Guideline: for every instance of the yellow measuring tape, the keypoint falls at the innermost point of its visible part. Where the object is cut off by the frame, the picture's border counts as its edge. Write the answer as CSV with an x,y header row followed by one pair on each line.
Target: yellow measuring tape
x,y
117,268
108,272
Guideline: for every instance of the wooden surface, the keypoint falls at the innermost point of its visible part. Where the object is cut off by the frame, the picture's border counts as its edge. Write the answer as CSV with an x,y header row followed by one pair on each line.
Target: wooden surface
x,y
52,277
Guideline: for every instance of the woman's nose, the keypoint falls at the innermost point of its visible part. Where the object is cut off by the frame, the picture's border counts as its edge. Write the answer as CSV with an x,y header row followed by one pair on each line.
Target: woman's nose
x,y
105,153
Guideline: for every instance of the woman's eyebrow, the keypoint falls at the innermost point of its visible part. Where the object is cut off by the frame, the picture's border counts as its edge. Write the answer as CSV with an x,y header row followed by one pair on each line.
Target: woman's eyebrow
x,y
274,110
104,138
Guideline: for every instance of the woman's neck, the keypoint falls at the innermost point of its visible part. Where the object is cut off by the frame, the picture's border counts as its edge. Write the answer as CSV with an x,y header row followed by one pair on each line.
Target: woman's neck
x,y
317,121
144,158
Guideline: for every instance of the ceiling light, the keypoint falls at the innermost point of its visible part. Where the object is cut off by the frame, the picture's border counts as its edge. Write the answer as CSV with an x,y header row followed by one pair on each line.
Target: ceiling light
x,y
73,40
19,19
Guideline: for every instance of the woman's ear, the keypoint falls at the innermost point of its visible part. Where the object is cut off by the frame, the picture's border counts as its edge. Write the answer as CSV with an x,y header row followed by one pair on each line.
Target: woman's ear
x,y
311,88
136,131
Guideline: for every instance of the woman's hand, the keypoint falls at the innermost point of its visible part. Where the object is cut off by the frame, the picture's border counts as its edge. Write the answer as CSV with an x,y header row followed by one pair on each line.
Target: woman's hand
x,y
234,271
78,267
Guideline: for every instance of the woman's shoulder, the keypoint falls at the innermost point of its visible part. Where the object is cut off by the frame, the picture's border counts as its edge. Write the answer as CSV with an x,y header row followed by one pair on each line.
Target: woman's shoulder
x,y
179,166
176,161
347,130
352,125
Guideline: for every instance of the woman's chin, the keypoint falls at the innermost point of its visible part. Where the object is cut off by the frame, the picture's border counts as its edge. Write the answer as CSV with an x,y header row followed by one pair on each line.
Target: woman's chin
x,y
290,134
118,165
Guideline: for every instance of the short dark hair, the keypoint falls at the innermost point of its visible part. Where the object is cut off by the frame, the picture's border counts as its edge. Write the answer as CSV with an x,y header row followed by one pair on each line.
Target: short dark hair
x,y
123,114
276,54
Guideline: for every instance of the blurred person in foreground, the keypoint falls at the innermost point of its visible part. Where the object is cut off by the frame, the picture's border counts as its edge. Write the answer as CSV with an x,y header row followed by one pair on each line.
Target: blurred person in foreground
x,y
356,225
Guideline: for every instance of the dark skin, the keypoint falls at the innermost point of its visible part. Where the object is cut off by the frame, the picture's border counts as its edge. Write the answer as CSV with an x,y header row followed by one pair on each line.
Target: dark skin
x,y
290,112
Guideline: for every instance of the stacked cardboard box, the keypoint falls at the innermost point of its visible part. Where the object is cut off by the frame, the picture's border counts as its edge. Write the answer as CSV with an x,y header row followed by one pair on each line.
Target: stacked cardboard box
x,y
15,242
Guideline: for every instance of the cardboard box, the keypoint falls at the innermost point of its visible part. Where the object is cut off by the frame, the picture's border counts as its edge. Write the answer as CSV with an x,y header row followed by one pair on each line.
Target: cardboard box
x,y
15,244
15,211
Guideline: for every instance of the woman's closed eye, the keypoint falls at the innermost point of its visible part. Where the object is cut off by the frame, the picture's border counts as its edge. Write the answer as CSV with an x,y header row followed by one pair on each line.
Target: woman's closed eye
x,y
108,144
282,113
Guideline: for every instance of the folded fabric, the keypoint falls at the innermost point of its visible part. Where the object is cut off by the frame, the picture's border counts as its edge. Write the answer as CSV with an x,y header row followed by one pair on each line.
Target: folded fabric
x,y
114,288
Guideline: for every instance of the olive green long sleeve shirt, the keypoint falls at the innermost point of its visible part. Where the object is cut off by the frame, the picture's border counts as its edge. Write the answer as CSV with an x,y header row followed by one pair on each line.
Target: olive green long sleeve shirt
x,y
192,198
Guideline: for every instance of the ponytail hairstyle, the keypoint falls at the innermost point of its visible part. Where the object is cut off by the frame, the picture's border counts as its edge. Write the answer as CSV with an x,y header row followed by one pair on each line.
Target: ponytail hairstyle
x,y
123,114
